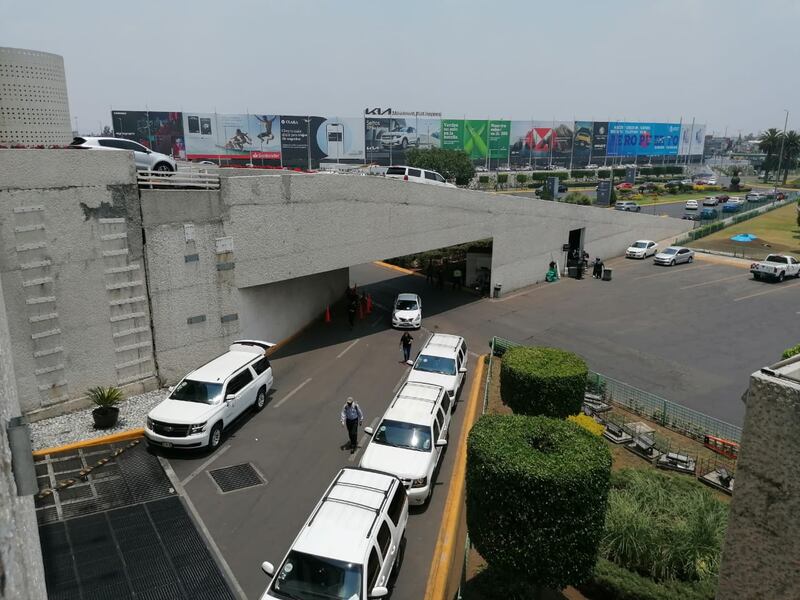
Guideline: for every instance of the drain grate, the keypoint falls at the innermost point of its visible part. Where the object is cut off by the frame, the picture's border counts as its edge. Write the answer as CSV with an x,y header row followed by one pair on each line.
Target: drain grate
x,y
236,477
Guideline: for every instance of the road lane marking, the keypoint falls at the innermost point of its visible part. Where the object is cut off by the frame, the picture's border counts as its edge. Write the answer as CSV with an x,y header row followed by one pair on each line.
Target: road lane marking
x,y
694,285
206,464
363,442
668,272
776,289
292,393
341,354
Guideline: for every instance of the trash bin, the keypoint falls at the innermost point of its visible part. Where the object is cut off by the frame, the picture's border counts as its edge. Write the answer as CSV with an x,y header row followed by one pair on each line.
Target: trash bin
x,y
607,274
572,272
497,288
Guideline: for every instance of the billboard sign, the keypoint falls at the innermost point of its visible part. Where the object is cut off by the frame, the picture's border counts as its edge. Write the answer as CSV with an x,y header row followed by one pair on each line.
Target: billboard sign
x,y
158,130
339,140
479,139
645,139
693,139
599,139
240,137
582,143
387,139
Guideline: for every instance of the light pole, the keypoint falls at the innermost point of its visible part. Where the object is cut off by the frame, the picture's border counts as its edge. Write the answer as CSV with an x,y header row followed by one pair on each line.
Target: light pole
x,y
780,157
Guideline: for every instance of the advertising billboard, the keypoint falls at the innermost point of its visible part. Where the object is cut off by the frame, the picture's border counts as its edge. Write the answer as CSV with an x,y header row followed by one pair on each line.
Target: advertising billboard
x,y
599,140
239,137
544,140
693,139
582,143
479,139
646,139
339,140
158,130
387,138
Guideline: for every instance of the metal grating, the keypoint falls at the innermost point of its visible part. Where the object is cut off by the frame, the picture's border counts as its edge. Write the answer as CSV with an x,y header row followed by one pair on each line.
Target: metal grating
x,y
236,477
149,551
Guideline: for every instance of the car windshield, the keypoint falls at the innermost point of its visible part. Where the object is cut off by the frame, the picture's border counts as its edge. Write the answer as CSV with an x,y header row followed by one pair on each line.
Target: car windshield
x,y
202,392
306,577
671,251
435,364
406,305
640,245
404,435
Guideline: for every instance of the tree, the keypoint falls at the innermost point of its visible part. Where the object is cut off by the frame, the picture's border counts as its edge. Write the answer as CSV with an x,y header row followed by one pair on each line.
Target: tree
x,y
536,497
791,151
107,132
451,164
769,144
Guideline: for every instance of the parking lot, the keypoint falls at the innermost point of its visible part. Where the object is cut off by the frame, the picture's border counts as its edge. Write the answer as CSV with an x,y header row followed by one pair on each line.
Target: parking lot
x,y
691,333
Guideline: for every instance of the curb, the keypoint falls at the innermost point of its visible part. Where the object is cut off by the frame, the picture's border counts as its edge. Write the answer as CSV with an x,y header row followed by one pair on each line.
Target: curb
x,y
445,549
386,265
98,441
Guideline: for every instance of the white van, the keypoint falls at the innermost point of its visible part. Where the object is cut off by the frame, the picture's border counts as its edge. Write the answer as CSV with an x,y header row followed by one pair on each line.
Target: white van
x,y
418,175
442,361
409,439
210,398
351,546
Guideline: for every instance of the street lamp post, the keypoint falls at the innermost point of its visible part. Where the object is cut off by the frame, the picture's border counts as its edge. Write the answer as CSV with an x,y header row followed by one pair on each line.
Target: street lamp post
x,y
780,157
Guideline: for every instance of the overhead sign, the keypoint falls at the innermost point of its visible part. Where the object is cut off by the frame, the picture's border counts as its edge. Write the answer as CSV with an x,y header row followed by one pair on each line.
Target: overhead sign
x,y
400,113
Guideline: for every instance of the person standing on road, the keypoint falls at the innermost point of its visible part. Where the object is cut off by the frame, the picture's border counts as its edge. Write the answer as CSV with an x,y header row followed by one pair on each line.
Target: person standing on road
x,y
597,272
352,307
352,417
405,342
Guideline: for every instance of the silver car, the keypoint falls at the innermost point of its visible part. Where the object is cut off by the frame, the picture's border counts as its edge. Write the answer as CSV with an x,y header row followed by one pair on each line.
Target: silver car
x,y
673,256
145,159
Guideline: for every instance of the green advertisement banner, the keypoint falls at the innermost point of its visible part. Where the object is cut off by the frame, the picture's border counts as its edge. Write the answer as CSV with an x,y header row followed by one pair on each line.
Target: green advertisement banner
x,y
478,139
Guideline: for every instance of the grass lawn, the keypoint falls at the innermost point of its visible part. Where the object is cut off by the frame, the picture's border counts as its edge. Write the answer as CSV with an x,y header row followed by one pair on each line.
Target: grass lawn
x,y
777,228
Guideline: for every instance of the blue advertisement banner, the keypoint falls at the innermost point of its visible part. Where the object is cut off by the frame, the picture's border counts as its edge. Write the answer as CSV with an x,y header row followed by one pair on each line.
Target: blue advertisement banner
x,y
645,139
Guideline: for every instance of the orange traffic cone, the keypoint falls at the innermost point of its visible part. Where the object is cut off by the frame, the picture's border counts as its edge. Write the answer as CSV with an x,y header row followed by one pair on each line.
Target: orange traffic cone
x,y
327,314
369,304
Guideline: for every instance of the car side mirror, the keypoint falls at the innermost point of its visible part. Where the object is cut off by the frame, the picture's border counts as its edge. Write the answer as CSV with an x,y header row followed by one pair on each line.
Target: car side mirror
x,y
379,592
441,442
462,370
369,430
230,397
268,568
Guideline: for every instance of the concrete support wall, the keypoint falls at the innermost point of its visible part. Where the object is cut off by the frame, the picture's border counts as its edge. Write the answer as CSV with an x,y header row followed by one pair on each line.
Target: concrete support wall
x,y
72,273
761,557
21,570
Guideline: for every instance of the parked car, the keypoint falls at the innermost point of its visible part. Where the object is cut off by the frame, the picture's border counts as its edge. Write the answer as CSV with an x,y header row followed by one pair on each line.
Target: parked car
x,y
628,206
711,201
625,186
691,205
352,544
442,361
210,398
673,256
641,249
755,197
407,312
776,267
417,175
409,438
562,189
708,213
591,166
686,182
731,207
691,216
722,197
145,159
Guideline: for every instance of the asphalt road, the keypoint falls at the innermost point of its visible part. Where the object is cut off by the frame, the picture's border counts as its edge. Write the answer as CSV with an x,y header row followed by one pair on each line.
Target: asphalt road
x,y
691,333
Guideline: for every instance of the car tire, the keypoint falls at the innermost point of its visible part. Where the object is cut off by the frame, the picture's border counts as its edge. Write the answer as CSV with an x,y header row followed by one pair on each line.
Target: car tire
x,y
781,276
215,437
261,400
672,263
691,258
404,144
162,167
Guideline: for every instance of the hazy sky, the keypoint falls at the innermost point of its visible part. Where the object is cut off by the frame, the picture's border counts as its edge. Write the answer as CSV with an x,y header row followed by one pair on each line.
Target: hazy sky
x,y
728,63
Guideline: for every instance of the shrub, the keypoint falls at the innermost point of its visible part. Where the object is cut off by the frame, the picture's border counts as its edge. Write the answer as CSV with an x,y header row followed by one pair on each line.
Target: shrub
x,y
603,173
502,178
105,397
451,164
577,198
536,496
618,172
790,352
577,173
521,178
483,179
543,381
587,422
612,582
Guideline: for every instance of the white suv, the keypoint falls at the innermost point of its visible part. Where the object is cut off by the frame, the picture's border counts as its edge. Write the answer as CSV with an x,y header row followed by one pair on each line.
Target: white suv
x,y
418,175
145,159
352,544
407,312
210,398
409,439
442,361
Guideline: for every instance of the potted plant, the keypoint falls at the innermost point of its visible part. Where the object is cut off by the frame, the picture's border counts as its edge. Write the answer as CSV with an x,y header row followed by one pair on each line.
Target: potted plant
x,y
105,415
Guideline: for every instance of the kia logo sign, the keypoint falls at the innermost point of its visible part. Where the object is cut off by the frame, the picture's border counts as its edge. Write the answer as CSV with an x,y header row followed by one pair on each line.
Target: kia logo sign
x,y
377,111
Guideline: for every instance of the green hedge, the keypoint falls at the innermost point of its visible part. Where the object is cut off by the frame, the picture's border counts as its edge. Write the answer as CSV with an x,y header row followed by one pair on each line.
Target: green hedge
x,y
543,381
603,173
611,582
618,172
790,352
536,497
582,173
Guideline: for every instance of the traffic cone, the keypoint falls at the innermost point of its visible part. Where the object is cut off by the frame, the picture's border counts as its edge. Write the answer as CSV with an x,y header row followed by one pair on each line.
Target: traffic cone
x,y
369,304
327,314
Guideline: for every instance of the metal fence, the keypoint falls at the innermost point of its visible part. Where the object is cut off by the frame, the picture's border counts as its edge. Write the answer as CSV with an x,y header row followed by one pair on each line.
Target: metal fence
x,y
177,180
666,413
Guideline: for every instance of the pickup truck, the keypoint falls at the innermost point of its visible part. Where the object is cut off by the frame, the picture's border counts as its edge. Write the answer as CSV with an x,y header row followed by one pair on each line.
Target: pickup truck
x,y
777,267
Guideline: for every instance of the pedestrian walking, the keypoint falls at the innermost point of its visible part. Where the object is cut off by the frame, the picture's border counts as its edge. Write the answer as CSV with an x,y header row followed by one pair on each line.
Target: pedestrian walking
x,y
351,312
405,342
351,418
597,270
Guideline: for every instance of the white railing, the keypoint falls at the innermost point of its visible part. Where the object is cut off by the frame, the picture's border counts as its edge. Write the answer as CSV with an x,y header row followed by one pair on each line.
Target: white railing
x,y
177,180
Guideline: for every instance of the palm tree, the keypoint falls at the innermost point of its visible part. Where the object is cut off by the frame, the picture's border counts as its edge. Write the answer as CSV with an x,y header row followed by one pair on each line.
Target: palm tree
x,y
769,144
791,151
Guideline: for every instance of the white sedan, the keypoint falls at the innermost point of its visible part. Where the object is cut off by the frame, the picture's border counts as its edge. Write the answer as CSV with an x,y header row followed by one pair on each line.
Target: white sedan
x,y
691,205
642,249
407,312
674,255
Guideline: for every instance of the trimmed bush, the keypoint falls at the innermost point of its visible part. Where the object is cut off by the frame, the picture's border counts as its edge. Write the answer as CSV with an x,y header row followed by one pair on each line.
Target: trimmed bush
x,y
483,179
536,497
588,423
603,173
502,178
611,582
521,178
543,381
790,352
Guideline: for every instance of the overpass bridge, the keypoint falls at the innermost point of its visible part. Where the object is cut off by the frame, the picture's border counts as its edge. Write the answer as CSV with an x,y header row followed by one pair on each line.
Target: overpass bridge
x,y
104,283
